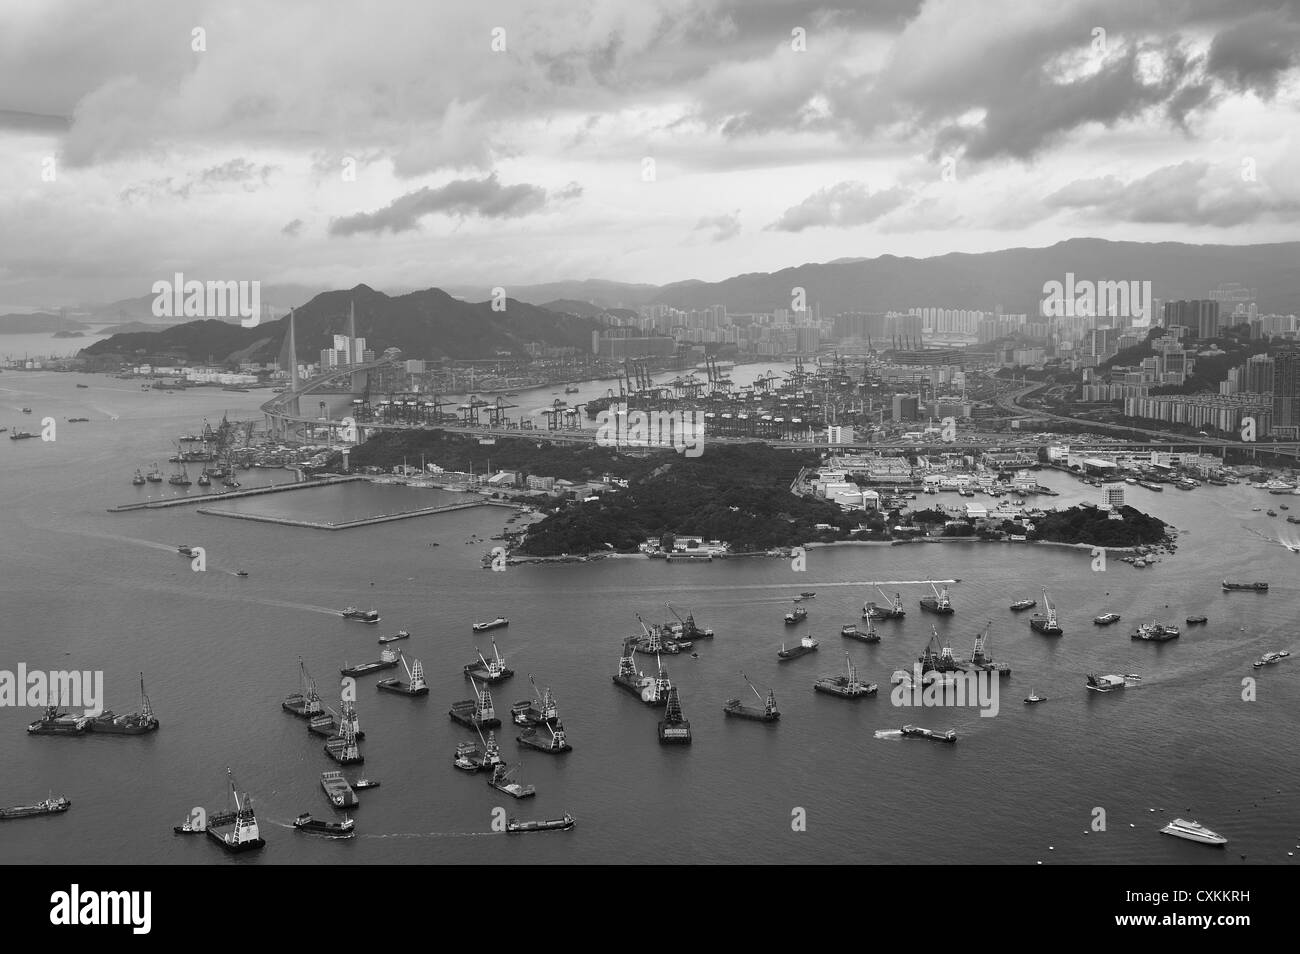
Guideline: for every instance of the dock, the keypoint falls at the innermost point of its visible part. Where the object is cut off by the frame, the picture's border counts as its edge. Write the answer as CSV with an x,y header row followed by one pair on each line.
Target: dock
x,y
231,494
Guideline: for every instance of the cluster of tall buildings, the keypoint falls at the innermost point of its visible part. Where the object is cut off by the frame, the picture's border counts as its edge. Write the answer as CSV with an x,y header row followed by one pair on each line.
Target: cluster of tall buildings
x,y
347,350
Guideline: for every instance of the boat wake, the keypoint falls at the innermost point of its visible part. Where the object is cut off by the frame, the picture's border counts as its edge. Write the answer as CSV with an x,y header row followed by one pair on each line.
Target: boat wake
x,y
888,734
432,834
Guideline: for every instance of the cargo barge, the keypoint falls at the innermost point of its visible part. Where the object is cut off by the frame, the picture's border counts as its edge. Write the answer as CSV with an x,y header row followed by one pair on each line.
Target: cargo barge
x,y
476,713
653,692
236,831
557,743
55,722
514,826
540,711
1257,586
313,826
893,608
502,779
939,604
306,702
490,671
846,687
674,728
916,732
414,673
338,791
497,623
768,713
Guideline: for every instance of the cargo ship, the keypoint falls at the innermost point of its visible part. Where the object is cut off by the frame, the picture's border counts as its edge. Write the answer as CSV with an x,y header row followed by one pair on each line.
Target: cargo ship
x,y
557,743
806,645
939,603
1257,586
55,722
1046,623
492,671
337,790
400,634
653,692
313,826
364,616
502,779
306,702
796,615
236,831
1110,683
869,635
135,723
916,732
846,687
491,624
674,728
387,660
1155,633
540,711
414,673
514,825
1193,831
53,805
893,608
1269,659
476,713
768,713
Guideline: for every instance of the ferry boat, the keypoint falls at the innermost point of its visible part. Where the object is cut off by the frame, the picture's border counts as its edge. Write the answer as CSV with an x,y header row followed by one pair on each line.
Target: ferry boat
x,y
1269,659
1110,683
491,672
306,702
1193,831
491,624
769,712
1257,586
1105,619
514,825
502,780
364,616
138,480
846,687
869,635
674,728
651,691
337,790
557,743
916,732
1046,623
135,723
476,713
55,722
806,645
1034,698
414,672
1020,605
387,660
796,615
400,634
53,805
892,609
236,831
539,711
1155,633
343,829
939,603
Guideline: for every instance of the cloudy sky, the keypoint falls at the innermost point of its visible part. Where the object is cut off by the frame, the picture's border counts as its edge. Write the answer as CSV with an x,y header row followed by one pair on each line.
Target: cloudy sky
x,y
410,143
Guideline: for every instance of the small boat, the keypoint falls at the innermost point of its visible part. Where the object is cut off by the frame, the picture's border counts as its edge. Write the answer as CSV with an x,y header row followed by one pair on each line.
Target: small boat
x,y
513,825
343,829
1020,605
362,783
1193,831
491,624
916,732
139,479
806,645
364,616
1269,659
503,781
188,828
205,480
83,386
1197,620
241,573
807,595
185,550
1034,698
154,476
1105,619
796,615
400,634
27,410
1271,513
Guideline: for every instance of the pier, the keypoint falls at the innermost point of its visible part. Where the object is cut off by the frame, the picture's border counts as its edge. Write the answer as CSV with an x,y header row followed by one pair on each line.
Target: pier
x,y
349,524
232,494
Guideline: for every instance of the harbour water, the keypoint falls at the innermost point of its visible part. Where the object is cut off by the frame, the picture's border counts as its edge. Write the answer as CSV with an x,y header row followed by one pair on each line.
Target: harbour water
x,y
86,589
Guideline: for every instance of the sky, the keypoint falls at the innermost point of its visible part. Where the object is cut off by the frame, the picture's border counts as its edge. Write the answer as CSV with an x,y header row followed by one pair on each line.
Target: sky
x,y
417,143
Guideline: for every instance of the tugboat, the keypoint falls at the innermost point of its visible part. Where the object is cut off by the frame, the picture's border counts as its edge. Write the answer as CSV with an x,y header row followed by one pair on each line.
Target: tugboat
x,y
1155,633
892,610
916,732
541,711
361,783
343,829
1046,623
514,825
55,722
806,645
364,616
1034,698
939,603
489,672
492,624
53,805
769,712
846,687
1257,586
796,615
188,827
135,723
387,660
674,729
306,702
236,831
1020,605
1105,619
337,790
415,687
1193,831
400,634
502,780
475,713
870,635
556,744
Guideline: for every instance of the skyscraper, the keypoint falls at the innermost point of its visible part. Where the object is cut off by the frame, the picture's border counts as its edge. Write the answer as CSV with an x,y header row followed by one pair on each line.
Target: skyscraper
x,y
1286,393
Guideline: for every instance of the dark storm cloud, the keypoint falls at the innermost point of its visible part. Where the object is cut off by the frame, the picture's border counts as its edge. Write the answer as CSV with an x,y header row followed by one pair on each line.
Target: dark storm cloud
x,y
843,205
1253,54
486,198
